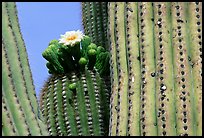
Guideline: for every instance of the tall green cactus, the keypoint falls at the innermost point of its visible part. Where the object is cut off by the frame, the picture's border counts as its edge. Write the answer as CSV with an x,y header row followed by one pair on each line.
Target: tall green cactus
x,y
156,68
75,101
20,113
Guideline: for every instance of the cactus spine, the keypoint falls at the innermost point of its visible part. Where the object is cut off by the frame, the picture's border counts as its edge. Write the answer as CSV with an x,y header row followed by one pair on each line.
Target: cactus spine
x,y
20,114
156,87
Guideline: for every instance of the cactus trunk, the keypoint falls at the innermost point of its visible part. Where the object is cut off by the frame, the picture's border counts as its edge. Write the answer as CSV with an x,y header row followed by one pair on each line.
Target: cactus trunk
x,y
20,114
156,68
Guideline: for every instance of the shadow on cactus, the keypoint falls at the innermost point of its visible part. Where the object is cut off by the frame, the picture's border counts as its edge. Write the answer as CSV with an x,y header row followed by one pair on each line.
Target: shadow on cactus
x,y
75,99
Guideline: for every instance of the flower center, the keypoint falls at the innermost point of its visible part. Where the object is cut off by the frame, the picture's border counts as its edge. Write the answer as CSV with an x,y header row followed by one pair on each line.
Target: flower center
x,y
71,37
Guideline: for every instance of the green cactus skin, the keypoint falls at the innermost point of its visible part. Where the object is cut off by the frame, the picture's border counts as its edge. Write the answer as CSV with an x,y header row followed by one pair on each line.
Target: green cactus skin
x,y
95,22
20,114
83,111
156,68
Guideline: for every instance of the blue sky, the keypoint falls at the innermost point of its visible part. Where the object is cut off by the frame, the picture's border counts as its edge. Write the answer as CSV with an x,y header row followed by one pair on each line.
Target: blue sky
x,y
41,22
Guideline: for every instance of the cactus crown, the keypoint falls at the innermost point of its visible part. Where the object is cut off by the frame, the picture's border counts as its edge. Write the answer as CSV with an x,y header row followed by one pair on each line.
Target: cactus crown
x,y
73,52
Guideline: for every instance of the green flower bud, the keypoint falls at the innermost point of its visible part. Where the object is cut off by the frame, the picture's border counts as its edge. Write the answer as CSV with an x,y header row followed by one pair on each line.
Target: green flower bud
x,y
101,49
72,86
83,61
92,46
92,52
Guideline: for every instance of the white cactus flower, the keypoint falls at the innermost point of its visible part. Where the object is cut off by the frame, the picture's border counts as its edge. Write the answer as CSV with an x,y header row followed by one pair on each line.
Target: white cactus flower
x,y
71,37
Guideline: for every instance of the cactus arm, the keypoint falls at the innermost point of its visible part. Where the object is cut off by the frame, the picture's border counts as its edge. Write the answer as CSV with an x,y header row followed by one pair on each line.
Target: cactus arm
x,y
17,71
11,101
164,67
84,17
134,68
12,11
95,21
87,20
148,111
99,23
194,30
20,88
93,17
183,86
114,72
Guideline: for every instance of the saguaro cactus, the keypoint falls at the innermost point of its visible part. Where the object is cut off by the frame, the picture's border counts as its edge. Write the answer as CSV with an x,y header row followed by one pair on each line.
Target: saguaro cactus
x,y
156,56
20,112
75,101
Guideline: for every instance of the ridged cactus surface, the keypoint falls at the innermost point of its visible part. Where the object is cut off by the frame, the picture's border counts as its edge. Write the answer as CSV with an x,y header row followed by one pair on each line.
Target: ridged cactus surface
x,y
75,99
156,68
95,21
75,112
20,112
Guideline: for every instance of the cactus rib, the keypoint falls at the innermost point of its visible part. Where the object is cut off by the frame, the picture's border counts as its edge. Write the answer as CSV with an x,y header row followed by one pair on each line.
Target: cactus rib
x,y
195,59
122,117
183,89
164,68
113,69
133,67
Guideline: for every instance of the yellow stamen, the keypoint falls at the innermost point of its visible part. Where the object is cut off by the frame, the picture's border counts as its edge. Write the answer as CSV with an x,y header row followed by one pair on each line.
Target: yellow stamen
x,y
71,38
